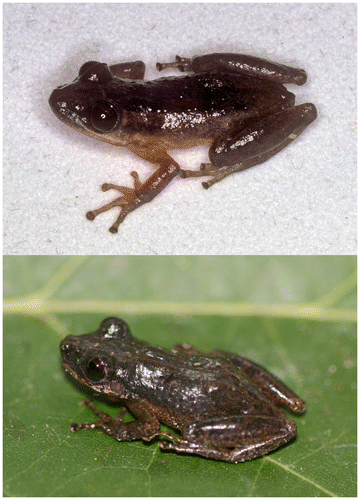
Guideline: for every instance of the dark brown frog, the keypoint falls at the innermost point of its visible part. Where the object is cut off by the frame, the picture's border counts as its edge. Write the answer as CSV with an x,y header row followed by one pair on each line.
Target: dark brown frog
x,y
224,405
233,103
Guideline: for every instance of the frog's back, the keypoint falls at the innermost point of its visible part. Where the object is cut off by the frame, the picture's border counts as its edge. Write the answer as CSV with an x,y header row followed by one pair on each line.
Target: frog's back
x,y
197,385
198,97
181,111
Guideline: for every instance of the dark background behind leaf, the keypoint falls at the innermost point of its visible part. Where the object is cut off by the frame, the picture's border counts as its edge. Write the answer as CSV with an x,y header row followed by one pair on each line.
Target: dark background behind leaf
x,y
294,315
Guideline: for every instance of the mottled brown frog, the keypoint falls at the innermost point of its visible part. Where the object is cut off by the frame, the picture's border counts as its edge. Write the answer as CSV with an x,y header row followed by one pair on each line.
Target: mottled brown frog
x,y
224,405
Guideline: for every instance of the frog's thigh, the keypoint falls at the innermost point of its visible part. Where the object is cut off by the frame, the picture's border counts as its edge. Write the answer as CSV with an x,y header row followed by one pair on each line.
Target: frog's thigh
x,y
273,388
235,438
261,136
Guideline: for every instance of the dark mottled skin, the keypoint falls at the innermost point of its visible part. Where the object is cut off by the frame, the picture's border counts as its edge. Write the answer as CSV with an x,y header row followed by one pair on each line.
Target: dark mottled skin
x,y
233,103
222,404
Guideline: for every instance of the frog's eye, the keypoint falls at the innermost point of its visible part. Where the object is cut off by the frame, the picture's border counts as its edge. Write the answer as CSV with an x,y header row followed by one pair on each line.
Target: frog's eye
x,y
95,369
103,116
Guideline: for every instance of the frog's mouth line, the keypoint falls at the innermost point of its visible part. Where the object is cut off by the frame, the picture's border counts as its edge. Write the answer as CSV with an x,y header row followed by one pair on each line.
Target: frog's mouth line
x,y
77,377
73,373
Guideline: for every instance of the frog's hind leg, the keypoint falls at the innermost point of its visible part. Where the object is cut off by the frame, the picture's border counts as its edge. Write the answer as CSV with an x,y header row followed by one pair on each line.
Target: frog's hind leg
x,y
255,144
233,439
273,388
240,64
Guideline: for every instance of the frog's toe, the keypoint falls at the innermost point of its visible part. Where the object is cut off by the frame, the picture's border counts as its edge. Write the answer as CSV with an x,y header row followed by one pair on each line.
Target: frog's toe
x,y
125,209
126,191
90,215
118,202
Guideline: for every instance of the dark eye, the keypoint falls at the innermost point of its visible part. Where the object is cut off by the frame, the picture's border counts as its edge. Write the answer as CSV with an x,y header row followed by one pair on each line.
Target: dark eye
x,y
95,370
103,116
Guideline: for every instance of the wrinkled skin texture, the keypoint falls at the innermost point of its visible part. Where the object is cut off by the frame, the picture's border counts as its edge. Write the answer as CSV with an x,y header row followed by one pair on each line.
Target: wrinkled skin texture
x,y
225,406
233,103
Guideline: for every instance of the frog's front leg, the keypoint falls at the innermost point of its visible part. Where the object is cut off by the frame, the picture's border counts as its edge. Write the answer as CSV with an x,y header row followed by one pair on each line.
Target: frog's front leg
x,y
142,192
233,438
146,428
242,148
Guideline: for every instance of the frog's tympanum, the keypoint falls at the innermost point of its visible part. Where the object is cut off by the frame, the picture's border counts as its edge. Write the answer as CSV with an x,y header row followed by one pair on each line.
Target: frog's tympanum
x,y
235,104
224,405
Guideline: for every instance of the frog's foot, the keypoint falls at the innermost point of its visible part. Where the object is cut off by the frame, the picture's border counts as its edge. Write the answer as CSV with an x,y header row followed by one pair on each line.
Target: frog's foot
x,y
180,63
127,203
116,428
205,169
182,446
106,420
210,169
231,455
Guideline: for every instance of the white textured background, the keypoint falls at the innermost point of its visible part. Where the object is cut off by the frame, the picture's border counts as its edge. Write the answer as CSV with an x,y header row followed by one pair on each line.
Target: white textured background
x,y
303,201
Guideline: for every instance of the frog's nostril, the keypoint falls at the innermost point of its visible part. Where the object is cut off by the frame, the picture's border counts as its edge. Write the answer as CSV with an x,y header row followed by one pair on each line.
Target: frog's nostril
x,y
68,345
65,351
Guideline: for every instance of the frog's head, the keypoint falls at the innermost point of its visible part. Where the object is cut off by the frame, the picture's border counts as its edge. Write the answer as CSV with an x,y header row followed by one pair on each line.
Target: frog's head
x,y
100,359
87,104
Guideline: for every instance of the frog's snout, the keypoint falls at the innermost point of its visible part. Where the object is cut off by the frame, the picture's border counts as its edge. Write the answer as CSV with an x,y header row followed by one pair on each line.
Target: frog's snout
x,y
68,347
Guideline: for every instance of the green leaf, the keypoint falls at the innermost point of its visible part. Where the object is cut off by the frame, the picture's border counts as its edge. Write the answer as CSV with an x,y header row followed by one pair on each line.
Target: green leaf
x,y
294,315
